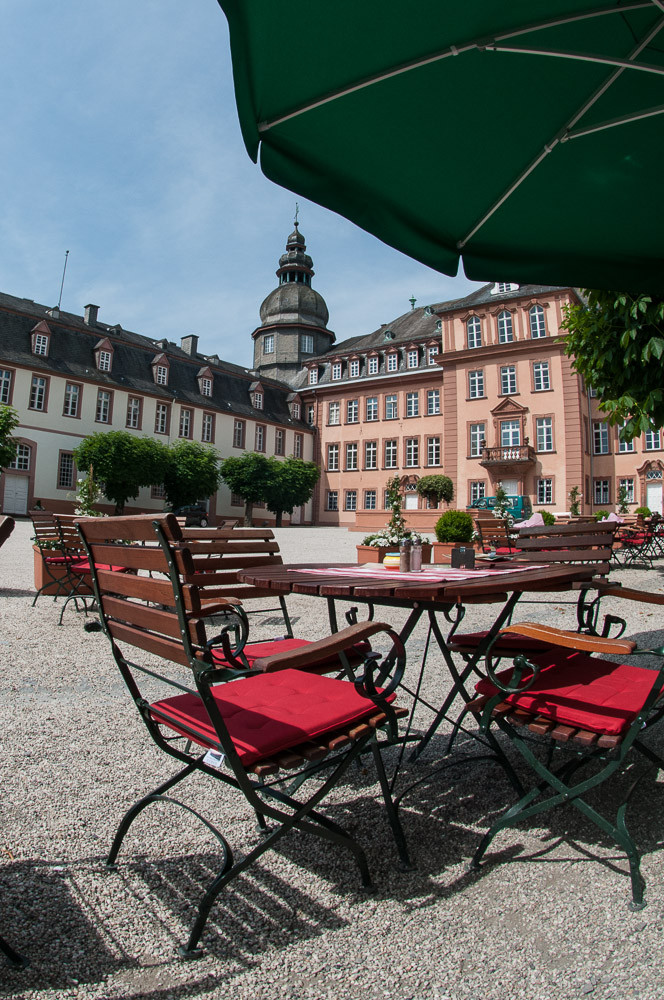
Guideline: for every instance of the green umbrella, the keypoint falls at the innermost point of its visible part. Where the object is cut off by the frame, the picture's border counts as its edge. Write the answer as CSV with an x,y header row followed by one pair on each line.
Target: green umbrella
x,y
525,136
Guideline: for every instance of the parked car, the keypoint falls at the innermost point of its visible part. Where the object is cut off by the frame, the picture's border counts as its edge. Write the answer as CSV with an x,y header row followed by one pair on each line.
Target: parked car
x,y
520,507
195,513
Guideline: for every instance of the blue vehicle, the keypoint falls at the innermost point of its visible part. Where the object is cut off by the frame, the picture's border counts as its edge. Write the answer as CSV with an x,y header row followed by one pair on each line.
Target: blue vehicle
x,y
520,507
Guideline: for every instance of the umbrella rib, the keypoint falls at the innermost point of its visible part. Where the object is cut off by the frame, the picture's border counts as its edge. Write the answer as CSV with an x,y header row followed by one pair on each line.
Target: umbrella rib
x,y
579,57
578,133
486,42
561,134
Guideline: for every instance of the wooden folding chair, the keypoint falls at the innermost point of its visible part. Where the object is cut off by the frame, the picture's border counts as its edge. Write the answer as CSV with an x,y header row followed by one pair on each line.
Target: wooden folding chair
x,y
588,710
494,535
55,562
242,731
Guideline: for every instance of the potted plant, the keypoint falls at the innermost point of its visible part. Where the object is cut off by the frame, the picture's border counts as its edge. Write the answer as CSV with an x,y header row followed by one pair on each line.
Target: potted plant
x,y
547,517
435,488
375,547
453,529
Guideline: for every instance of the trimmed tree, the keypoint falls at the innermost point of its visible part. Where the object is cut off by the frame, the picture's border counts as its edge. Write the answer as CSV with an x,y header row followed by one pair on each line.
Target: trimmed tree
x,y
435,488
617,343
291,485
191,472
249,476
122,463
8,444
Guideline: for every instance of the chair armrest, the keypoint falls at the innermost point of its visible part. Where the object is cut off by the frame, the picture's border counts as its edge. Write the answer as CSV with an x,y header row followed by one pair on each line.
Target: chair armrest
x,y
313,652
571,640
611,590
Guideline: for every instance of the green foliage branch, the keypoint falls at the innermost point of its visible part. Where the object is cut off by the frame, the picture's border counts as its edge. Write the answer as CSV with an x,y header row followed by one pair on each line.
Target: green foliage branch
x,y
8,444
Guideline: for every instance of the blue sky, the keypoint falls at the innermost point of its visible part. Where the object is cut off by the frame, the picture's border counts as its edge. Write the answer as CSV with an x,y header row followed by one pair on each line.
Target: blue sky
x,y
122,145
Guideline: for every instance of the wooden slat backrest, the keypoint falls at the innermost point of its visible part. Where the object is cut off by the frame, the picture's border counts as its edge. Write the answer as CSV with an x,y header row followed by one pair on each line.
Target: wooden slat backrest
x,y
218,555
569,543
44,525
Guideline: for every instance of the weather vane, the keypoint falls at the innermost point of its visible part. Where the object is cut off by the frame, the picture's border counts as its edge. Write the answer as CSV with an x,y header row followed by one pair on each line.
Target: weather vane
x,y
297,210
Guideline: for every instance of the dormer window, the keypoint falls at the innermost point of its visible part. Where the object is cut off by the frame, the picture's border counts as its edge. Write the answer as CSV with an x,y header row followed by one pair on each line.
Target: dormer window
x,y
104,355
295,411
372,365
336,370
501,287
205,381
354,368
412,358
41,340
41,344
392,361
206,386
432,354
258,400
161,375
313,376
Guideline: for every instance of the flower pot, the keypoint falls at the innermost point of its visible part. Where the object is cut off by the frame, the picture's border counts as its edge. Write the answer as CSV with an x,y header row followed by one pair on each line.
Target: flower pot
x,y
376,554
442,550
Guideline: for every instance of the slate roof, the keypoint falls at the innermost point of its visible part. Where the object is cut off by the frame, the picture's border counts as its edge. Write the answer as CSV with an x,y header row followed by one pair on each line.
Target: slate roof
x,y
72,356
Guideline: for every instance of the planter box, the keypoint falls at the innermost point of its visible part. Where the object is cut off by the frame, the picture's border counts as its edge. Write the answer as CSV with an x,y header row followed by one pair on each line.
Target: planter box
x,y
374,554
442,550
43,576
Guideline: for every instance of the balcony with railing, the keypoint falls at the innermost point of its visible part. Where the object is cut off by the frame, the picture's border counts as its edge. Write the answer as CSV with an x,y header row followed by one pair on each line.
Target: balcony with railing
x,y
507,457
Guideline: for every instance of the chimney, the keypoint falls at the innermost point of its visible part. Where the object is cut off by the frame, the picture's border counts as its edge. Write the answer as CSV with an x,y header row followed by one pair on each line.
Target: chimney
x,y
90,317
189,344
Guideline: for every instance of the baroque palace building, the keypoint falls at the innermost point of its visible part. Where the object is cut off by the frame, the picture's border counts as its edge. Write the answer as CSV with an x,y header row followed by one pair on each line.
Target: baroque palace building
x,y
478,388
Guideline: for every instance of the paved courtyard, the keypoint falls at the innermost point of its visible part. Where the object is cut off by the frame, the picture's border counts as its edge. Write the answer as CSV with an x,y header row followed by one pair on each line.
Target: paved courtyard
x,y
547,919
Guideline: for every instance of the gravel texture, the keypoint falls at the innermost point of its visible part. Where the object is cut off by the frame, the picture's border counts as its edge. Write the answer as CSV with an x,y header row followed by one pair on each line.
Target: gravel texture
x,y
546,918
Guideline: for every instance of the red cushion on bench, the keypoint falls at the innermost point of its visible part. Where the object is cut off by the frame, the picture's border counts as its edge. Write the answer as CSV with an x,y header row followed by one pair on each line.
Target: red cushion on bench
x,y
83,567
267,713
579,690
255,650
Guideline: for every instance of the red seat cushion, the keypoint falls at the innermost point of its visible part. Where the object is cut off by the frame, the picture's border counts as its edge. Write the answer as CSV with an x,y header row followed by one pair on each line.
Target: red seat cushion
x,y
509,643
255,650
579,690
55,560
83,566
502,551
267,713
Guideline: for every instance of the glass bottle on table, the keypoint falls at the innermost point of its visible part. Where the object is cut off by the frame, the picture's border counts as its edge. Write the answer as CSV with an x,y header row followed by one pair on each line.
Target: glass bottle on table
x,y
416,557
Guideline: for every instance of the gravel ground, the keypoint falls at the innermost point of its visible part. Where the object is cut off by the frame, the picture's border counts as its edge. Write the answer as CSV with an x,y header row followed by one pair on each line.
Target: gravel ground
x,y
547,918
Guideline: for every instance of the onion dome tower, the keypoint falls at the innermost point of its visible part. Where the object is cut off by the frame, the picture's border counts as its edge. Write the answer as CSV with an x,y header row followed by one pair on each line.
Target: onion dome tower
x,y
293,317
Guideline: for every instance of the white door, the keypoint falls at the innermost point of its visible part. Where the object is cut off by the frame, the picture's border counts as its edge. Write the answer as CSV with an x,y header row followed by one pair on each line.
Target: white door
x,y
15,499
411,501
654,497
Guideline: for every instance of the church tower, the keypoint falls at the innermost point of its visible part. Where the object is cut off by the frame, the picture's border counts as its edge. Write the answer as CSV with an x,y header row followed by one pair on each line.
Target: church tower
x,y
293,317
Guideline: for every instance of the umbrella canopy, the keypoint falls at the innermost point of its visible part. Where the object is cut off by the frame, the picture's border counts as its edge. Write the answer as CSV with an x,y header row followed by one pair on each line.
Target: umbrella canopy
x,y
526,137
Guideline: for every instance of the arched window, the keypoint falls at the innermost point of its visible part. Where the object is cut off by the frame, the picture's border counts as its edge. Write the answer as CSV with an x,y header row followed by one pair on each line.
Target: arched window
x,y
505,330
474,332
537,327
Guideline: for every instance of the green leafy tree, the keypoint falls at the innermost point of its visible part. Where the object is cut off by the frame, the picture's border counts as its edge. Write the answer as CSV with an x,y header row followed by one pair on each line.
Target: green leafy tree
x,y
8,422
122,463
616,341
191,471
291,484
435,488
249,476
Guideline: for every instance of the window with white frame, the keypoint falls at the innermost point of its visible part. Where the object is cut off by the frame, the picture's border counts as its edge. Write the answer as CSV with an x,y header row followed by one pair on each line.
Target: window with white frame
x,y
505,327
371,410
627,485
103,409
333,457
21,460
334,413
298,445
477,439
653,440
354,368
134,412
258,400
307,343
600,438
313,376
351,457
473,332
161,374
544,490
40,344
278,441
370,455
295,411
412,358
391,409
508,380
536,319
510,433
372,365
433,451
259,438
66,471
476,384
412,404
239,427
350,500
541,379
207,431
336,370
601,492
5,385
391,454
412,452
72,397
37,393
352,411
369,499
311,413
268,343
432,354
332,500
161,418
477,488
184,430
433,402
544,433
206,386
392,361
158,491
104,361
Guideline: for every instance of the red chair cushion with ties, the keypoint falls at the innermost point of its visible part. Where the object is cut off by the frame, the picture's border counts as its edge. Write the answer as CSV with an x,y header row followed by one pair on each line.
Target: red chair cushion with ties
x,y
83,566
575,689
255,650
502,551
55,560
267,713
